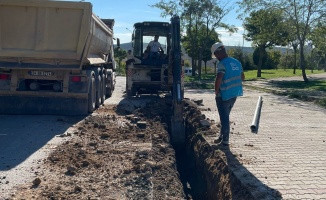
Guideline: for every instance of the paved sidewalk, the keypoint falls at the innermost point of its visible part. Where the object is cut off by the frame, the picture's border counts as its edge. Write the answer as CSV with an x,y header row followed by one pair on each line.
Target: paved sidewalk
x,y
287,154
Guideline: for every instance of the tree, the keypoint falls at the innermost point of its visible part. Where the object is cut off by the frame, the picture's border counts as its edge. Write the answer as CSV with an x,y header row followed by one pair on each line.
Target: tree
x,y
194,14
204,42
119,55
265,28
304,14
295,44
273,59
259,56
317,37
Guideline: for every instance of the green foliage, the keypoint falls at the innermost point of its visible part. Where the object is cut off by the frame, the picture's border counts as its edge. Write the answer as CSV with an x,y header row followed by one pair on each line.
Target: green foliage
x,y
322,102
202,40
302,17
265,28
186,63
245,59
317,85
259,53
273,59
248,63
122,69
287,61
199,19
317,37
119,55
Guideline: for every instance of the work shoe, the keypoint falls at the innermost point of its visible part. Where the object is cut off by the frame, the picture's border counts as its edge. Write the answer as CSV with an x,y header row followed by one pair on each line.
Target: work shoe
x,y
223,145
219,140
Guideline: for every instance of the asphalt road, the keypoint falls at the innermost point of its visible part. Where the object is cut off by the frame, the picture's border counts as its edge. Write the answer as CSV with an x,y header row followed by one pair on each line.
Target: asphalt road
x,y
24,141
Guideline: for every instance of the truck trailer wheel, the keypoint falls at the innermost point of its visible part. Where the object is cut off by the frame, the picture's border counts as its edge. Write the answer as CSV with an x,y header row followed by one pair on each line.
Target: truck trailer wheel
x,y
91,95
131,93
98,93
103,87
108,90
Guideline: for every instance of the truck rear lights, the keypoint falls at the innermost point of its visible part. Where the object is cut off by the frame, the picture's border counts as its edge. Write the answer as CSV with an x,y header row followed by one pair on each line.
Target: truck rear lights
x,y
75,79
78,79
5,77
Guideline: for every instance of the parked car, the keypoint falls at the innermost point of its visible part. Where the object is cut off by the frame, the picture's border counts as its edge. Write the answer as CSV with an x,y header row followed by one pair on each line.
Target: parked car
x,y
188,71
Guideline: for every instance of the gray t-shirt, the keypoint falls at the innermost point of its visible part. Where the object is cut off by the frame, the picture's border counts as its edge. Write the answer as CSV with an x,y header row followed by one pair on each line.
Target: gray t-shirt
x,y
155,46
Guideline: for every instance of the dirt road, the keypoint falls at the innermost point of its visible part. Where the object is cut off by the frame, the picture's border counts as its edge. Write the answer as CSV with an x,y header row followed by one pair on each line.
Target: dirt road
x,y
121,151
111,154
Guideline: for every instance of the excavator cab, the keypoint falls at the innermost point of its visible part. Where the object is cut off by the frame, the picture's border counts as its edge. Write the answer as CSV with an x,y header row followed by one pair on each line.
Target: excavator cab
x,y
144,33
161,72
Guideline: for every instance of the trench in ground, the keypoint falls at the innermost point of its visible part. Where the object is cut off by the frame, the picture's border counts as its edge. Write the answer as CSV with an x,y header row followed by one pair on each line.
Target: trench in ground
x,y
203,169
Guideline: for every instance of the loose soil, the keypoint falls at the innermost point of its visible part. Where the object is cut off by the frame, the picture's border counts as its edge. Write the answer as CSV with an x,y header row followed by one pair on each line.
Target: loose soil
x,y
120,154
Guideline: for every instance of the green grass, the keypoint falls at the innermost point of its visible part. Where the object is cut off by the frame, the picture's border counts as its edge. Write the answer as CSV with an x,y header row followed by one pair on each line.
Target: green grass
x,y
251,75
272,73
318,85
312,91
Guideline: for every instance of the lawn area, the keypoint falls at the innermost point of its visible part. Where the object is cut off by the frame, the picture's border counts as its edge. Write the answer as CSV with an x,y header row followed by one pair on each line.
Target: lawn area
x,y
270,74
251,75
293,88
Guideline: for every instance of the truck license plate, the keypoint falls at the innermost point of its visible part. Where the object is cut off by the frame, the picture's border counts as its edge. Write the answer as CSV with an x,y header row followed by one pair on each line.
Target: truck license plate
x,y
40,73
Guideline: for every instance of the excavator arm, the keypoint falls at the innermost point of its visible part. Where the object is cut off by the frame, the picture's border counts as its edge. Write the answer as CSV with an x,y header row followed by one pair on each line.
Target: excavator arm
x,y
177,120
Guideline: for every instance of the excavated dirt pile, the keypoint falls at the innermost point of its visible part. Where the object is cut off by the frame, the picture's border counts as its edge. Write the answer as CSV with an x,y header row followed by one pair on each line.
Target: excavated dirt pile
x,y
120,154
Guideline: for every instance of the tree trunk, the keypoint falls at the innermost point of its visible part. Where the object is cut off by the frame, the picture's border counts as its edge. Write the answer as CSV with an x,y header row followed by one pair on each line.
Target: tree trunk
x,y
193,64
302,64
325,63
260,62
295,60
286,57
199,62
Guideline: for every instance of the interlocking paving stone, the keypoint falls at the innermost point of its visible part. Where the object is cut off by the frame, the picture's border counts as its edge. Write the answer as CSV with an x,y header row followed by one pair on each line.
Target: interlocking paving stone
x,y
288,153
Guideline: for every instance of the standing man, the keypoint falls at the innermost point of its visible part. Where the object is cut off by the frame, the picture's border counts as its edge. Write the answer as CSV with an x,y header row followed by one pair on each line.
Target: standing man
x,y
228,86
154,47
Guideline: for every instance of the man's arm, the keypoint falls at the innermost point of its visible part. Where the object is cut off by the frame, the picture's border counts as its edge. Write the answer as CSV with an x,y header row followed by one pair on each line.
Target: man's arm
x,y
242,76
218,82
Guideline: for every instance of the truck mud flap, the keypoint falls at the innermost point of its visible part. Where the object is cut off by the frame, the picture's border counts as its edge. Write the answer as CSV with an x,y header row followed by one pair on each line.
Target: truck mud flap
x,y
43,105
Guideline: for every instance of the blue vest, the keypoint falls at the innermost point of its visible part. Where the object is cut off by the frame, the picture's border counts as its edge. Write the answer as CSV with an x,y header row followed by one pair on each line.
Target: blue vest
x,y
232,83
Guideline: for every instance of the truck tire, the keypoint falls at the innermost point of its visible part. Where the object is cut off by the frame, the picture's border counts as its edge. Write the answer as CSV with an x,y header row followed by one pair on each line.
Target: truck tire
x,y
131,93
91,95
103,88
98,92
109,90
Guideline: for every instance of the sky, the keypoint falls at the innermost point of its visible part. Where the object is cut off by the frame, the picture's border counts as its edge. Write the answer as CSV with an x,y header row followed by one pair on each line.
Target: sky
x,y
126,13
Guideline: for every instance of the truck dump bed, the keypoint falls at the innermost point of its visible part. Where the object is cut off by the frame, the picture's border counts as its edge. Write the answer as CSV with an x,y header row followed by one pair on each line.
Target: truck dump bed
x,y
53,32
53,57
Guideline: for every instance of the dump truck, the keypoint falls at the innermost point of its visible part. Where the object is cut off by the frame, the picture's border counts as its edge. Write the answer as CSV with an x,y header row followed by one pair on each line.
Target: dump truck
x,y
56,57
161,73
